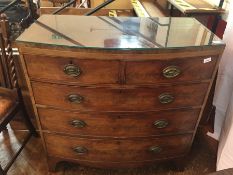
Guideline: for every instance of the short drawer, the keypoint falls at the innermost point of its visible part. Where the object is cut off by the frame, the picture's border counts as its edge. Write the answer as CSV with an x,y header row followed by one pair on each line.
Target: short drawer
x,y
105,99
175,70
71,70
119,124
116,150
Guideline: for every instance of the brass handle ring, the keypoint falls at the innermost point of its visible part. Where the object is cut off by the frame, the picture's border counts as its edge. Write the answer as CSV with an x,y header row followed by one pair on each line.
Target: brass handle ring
x,y
78,123
80,150
75,98
171,72
160,124
166,98
72,70
155,149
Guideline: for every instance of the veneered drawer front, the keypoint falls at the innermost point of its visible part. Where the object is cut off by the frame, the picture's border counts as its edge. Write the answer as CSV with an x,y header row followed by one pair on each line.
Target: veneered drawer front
x,y
105,99
119,124
166,71
117,149
71,70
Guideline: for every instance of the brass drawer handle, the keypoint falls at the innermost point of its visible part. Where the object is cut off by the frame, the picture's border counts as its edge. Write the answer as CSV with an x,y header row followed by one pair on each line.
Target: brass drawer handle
x,y
166,98
171,72
72,70
80,150
160,124
75,98
78,123
155,149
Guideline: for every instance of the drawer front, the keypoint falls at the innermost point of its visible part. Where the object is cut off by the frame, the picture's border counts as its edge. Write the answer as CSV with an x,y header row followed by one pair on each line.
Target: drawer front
x,y
190,69
117,150
72,70
118,124
104,99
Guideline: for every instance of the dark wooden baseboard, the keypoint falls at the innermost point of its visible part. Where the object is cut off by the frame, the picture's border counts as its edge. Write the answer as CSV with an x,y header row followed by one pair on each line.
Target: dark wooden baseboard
x,y
207,141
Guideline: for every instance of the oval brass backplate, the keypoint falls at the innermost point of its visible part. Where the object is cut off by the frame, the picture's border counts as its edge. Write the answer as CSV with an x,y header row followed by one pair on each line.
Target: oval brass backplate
x,y
171,71
155,149
72,70
75,98
166,98
80,150
78,123
160,124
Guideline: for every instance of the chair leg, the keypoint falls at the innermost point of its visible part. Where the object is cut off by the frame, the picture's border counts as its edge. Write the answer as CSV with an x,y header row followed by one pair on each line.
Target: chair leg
x,y
28,122
2,171
5,128
26,118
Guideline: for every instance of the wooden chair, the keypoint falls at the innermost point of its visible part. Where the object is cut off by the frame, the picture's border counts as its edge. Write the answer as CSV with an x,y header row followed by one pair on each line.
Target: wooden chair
x,y
11,101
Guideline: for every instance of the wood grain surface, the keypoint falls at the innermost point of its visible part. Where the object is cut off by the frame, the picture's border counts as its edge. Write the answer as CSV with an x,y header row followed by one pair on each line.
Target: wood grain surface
x,y
118,124
121,85
32,161
117,150
117,99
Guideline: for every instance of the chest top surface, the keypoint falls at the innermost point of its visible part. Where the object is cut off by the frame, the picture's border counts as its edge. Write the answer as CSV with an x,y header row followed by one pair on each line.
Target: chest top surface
x,y
120,33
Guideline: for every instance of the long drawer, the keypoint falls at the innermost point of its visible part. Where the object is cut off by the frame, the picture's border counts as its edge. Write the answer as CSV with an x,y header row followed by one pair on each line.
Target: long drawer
x,y
118,124
72,70
117,150
76,71
105,99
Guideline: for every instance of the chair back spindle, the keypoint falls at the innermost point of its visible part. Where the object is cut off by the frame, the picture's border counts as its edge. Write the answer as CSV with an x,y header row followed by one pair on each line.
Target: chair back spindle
x,y
11,100
7,58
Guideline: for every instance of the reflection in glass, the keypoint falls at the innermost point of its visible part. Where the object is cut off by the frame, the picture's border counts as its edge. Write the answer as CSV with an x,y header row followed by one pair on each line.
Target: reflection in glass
x,y
118,33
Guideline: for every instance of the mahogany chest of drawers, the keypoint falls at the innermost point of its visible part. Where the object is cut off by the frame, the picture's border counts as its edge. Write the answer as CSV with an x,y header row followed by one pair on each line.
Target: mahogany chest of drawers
x,y
107,104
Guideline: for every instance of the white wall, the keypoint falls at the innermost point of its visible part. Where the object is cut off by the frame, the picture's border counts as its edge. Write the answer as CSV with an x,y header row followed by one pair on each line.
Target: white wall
x,y
226,6
223,100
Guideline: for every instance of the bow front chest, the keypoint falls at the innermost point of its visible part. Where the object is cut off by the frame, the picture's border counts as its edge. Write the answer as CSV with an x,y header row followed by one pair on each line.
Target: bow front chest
x,y
118,92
